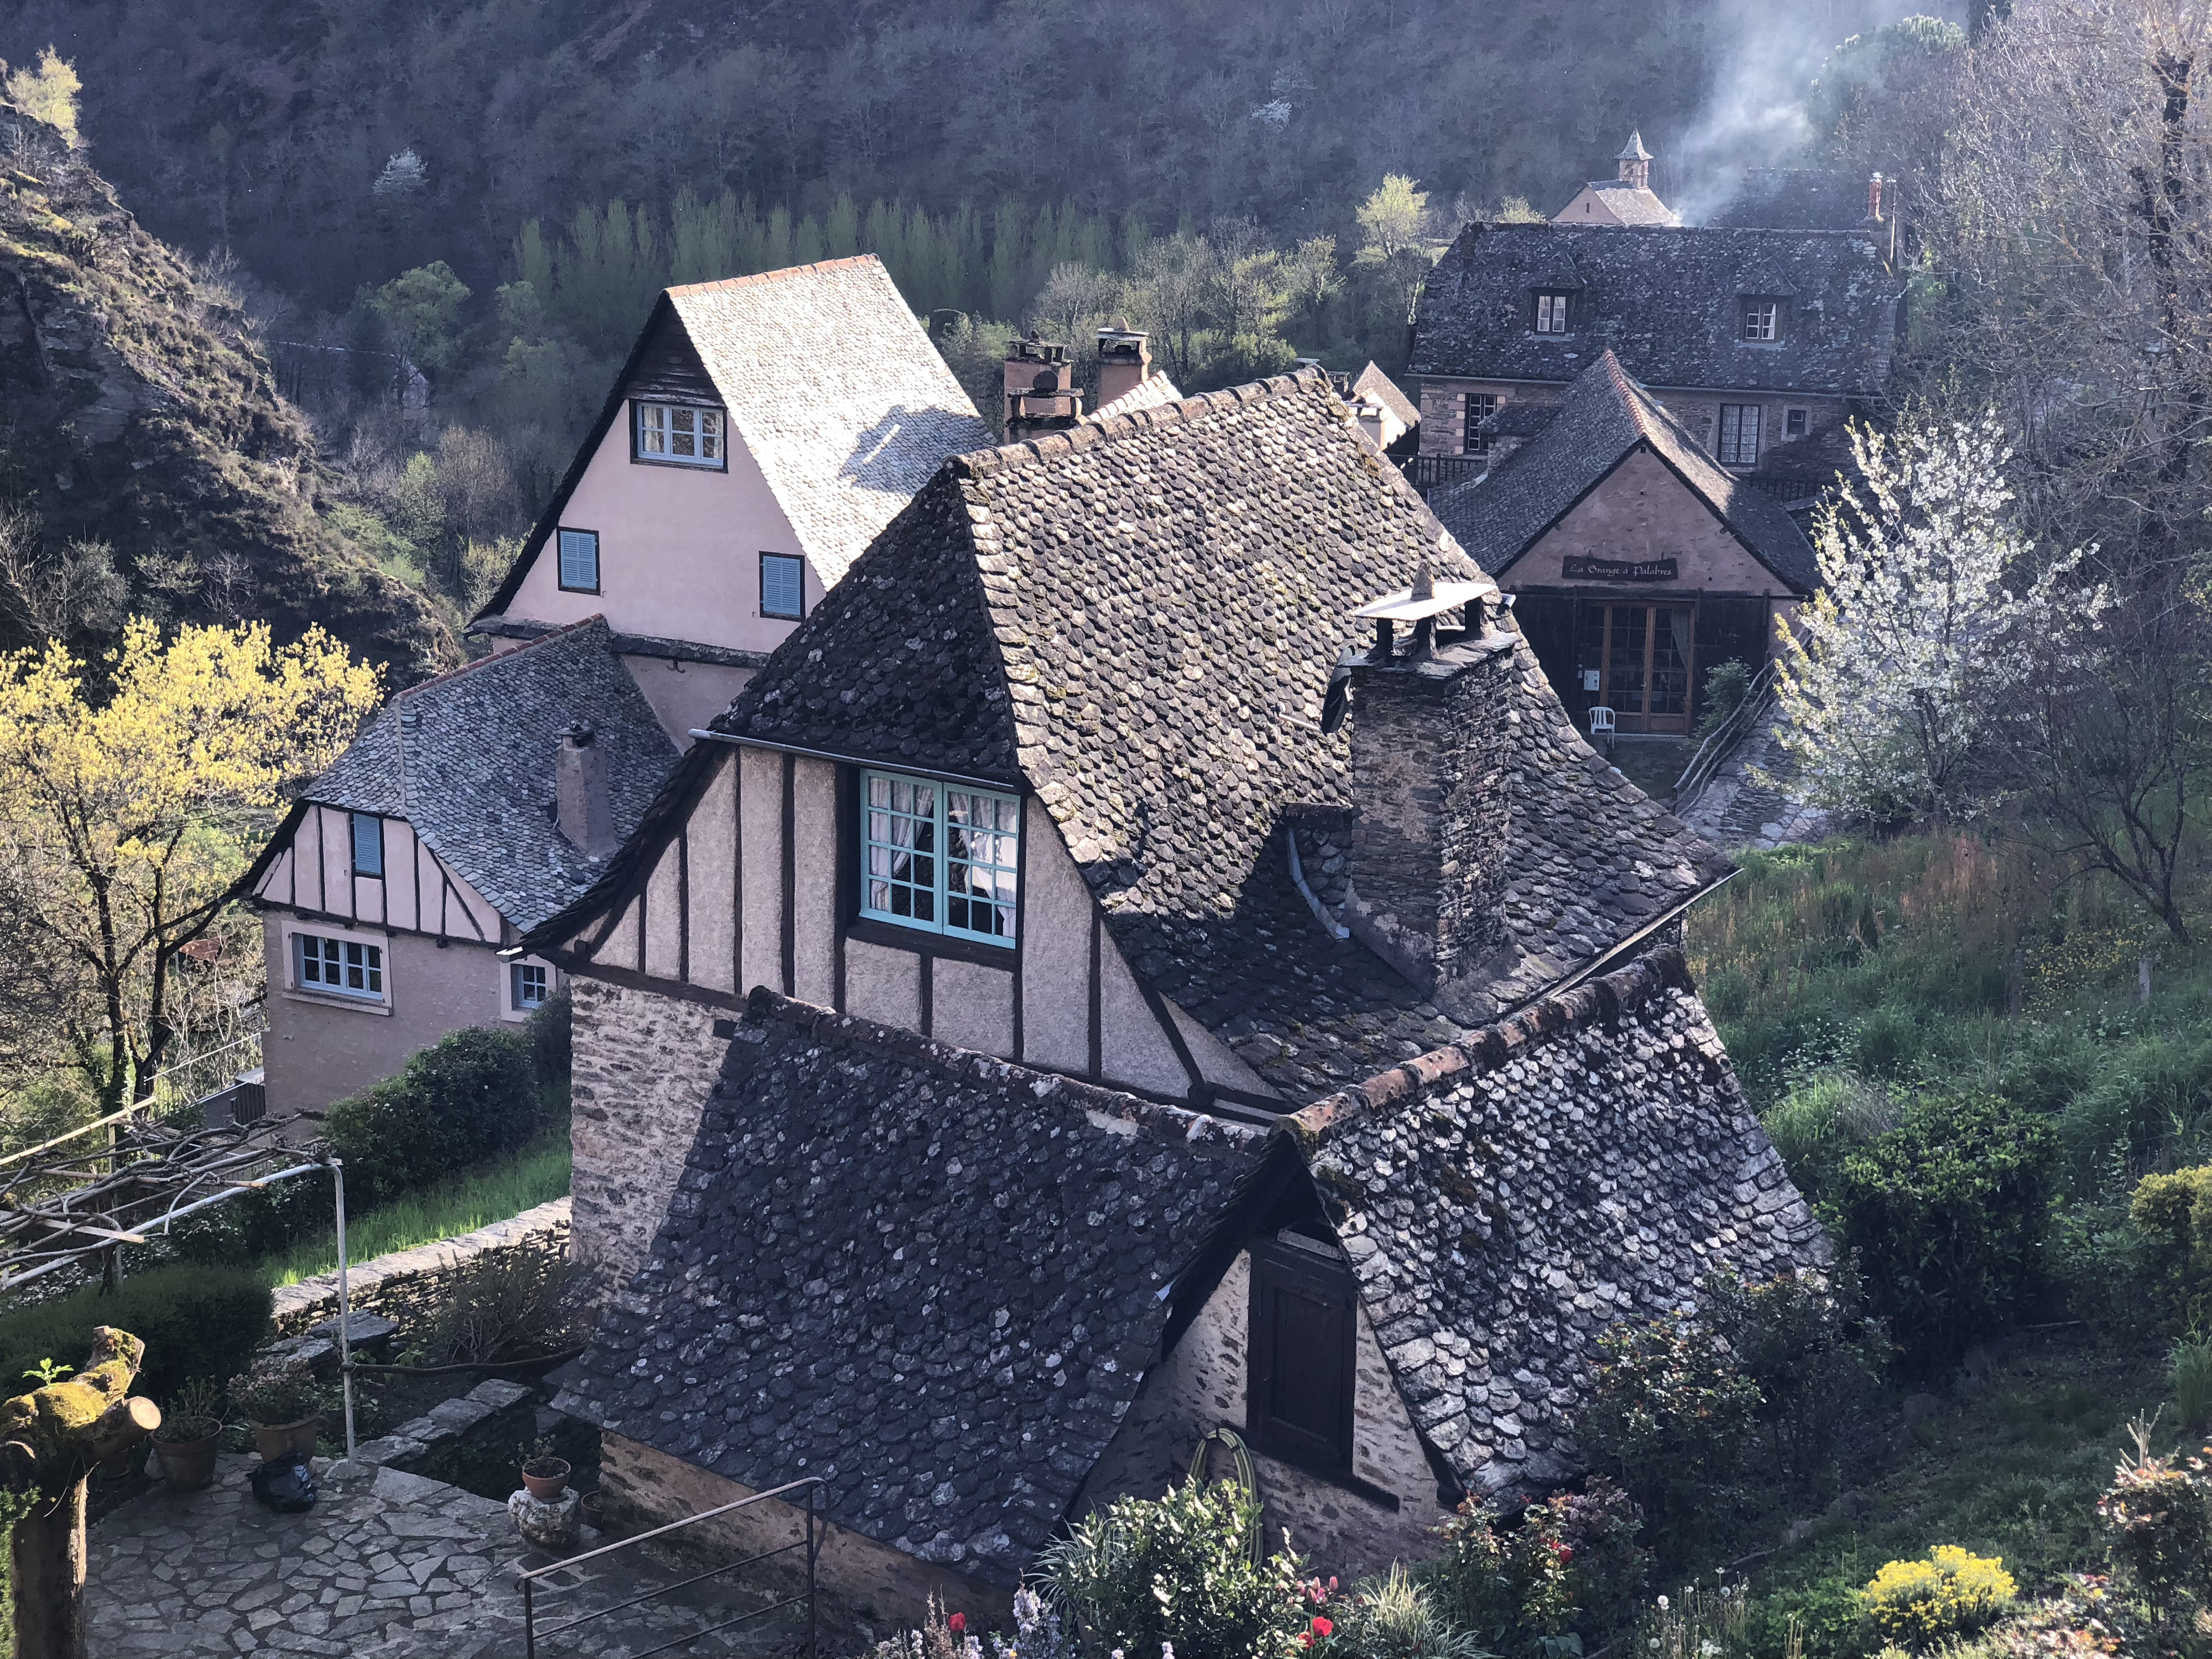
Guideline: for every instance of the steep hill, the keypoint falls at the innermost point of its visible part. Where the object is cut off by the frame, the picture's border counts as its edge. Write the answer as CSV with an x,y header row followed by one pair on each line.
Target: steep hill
x,y
139,412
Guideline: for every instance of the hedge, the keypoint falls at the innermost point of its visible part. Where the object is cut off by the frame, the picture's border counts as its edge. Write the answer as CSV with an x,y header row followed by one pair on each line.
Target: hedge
x,y
196,1321
469,1095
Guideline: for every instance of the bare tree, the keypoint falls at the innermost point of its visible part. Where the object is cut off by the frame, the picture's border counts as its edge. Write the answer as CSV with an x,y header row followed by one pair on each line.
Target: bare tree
x,y
54,593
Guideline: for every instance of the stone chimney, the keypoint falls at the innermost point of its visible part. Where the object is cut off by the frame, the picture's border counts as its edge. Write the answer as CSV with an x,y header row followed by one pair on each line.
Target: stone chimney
x,y
1432,740
1874,200
1124,359
1877,224
1040,389
583,808
1635,162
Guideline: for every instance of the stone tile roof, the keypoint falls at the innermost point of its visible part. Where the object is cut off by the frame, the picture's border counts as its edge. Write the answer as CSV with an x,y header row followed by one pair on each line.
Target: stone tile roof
x,y
1503,1199
933,1279
467,759
1138,620
1153,392
836,391
1794,198
1604,418
1373,382
1667,304
1633,204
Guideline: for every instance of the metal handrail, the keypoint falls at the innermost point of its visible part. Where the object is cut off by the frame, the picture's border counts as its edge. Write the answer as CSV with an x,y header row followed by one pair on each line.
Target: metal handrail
x,y
1715,749
811,1543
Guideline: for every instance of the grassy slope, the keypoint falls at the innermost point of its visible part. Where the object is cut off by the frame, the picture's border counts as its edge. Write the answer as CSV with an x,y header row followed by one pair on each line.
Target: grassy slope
x,y
536,1175
1848,977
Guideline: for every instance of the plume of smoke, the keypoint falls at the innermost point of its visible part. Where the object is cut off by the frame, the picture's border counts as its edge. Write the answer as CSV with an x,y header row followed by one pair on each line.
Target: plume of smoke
x,y
1769,51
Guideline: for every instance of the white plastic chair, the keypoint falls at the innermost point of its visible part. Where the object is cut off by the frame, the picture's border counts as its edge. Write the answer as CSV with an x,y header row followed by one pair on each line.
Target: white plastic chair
x,y
1601,726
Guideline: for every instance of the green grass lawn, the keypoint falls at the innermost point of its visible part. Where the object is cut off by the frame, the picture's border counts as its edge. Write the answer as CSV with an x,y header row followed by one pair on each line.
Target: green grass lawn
x,y
535,1175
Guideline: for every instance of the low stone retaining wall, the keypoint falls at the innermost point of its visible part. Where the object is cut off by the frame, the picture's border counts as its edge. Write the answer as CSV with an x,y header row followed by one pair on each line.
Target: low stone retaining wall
x,y
407,1280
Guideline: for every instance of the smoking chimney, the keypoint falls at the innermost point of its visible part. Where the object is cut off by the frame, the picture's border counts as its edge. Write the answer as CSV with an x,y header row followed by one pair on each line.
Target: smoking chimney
x,y
1432,771
1635,162
1040,388
1124,359
1874,200
584,809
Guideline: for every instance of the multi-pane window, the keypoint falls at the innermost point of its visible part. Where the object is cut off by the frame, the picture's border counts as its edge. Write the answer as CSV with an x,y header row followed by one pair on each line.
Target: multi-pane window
x,y
783,585
1481,406
1762,319
341,966
1739,434
674,432
529,981
580,560
1550,313
1794,423
367,844
939,858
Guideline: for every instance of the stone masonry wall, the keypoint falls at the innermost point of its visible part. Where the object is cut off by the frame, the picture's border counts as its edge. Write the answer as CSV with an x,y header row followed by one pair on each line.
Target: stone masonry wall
x,y
402,1285
644,1066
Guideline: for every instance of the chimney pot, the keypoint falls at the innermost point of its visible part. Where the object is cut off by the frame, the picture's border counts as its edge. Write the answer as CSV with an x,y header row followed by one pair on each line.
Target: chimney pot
x,y
583,808
1124,359
1873,199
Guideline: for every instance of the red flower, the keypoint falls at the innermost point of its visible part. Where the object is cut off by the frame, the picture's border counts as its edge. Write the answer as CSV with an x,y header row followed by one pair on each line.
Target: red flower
x,y
1305,1638
1322,1627
957,1623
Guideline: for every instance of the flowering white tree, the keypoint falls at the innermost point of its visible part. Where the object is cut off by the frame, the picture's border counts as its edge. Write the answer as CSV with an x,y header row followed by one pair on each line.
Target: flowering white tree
x,y
1931,617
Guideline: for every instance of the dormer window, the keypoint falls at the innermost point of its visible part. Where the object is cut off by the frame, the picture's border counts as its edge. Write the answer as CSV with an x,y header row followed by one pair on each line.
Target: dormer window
x,y
680,436
1550,313
1762,319
938,858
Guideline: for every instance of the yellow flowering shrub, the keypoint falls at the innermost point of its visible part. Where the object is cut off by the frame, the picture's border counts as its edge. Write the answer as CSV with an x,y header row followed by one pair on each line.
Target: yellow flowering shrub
x,y
1914,1603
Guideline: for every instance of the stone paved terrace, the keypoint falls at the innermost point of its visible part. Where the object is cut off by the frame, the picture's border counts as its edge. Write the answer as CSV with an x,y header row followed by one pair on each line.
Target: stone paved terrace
x,y
388,1566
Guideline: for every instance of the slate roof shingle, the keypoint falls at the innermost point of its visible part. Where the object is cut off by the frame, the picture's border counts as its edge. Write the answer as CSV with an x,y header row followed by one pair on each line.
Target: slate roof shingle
x,y
1794,198
835,389
1603,419
1001,1244
1633,204
1667,302
1505,1200
467,760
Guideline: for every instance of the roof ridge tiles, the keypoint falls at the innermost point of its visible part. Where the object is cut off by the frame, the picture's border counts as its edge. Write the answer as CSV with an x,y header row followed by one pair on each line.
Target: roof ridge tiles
x,y
978,463
438,682
1493,1046
1153,1119
722,283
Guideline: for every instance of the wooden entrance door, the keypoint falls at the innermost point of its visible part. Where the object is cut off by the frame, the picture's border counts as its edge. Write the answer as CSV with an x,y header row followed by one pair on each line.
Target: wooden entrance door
x,y
1644,654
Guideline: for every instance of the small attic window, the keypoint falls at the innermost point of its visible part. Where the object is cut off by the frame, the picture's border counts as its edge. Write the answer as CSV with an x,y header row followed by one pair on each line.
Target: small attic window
x,y
938,859
1300,1354
783,587
680,436
1762,319
1552,314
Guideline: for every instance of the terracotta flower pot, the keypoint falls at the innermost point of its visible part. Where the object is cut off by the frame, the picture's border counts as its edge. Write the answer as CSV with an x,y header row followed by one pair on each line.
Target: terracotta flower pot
x,y
278,1440
188,1465
551,1477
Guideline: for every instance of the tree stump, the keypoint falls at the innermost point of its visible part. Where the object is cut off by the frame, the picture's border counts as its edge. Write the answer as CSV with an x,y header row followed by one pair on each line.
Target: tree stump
x,y
49,1439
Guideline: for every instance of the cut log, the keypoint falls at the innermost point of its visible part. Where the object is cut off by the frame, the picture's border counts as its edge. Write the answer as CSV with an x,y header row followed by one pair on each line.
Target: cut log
x,y
49,1439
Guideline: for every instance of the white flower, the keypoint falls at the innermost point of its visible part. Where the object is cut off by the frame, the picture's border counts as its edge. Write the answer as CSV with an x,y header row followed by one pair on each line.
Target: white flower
x,y
1662,1604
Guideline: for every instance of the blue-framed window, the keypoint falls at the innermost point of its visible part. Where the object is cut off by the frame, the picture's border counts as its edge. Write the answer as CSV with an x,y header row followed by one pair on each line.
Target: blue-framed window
x,y
783,587
580,560
367,843
338,966
531,981
939,858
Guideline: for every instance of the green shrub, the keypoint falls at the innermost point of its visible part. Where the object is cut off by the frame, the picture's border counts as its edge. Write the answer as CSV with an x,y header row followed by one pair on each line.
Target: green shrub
x,y
1508,1586
1825,1115
1726,685
1178,1568
467,1096
2172,1213
1393,1617
196,1322
2148,1103
2158,1519
2189,1370
261,1223
1947,1215
1673,1420
1946,1593
1807,1343
550,1031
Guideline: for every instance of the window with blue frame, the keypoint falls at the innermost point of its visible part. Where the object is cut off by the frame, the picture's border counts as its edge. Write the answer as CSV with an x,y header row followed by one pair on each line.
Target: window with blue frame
x,y
939,857
783,587
580,561
367,844
529,981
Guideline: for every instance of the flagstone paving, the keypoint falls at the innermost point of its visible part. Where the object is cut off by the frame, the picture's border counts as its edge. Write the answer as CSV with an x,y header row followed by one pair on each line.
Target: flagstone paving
x,y
386,1566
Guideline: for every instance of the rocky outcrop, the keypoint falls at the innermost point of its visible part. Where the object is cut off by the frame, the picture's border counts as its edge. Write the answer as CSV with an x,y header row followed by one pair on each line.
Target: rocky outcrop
x,y
140,412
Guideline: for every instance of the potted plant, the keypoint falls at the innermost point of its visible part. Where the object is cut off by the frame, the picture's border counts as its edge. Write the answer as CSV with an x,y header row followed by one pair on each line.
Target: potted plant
x,y
190,1435
543,1472
281,1402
